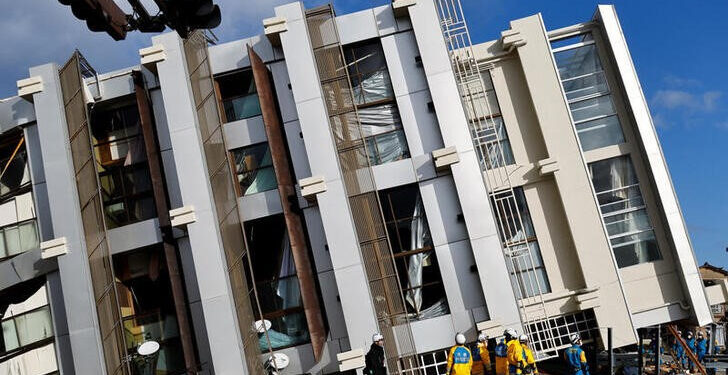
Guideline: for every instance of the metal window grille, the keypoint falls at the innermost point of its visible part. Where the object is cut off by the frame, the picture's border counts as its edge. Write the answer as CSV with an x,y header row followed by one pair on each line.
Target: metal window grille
x,y
432,363
562,327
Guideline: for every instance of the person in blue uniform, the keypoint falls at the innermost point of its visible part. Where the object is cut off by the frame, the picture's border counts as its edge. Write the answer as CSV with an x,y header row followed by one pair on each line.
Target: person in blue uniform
x,y
576,357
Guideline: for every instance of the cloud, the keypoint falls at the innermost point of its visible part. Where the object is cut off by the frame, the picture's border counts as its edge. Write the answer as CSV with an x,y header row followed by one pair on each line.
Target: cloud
x,y
679,99
679,82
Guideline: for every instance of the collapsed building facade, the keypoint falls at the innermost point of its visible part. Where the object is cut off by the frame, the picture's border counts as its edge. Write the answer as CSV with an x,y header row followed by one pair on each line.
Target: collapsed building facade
x,y
287,195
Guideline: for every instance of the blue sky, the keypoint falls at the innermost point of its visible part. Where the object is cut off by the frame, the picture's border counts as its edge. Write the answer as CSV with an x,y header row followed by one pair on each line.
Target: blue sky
x,y
679,49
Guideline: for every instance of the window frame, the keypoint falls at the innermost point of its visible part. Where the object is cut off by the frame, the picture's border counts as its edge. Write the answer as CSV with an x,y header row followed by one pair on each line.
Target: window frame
x,y
505,157
525,222
222,101
607,92
17,225
402,255
374,156
6,354
258,168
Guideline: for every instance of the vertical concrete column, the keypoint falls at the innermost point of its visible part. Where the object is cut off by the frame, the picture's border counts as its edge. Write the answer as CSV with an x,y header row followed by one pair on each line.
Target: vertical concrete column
x,y
660,176
474,200
73,268
207,250
340,235
572,179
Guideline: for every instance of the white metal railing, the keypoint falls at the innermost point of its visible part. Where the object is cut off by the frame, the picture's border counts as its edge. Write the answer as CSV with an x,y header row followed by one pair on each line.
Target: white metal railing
x,y
471,86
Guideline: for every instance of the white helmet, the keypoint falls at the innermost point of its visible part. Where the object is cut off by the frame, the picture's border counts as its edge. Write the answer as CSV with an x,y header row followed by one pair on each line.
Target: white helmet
x,y
460,339
510,332
377,337
523,338
700,334
575,338
482,337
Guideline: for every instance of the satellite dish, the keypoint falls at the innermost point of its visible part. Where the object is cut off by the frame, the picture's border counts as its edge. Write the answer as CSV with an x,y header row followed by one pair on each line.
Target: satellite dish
x,y
261,326
279,361
148,348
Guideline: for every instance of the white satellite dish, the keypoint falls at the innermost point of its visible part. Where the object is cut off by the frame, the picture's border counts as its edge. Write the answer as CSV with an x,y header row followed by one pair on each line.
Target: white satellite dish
x,y
148,348
279,361
261,326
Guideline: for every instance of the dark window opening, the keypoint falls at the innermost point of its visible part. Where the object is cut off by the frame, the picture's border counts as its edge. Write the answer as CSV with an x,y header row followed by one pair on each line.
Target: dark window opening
x,y
414,254
254,168
121,161
375,103
147,308
277,284
238,96
15,175
525,264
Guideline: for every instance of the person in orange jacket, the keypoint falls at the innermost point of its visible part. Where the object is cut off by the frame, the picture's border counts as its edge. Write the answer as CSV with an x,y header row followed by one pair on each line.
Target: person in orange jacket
x,y
481,356
460,359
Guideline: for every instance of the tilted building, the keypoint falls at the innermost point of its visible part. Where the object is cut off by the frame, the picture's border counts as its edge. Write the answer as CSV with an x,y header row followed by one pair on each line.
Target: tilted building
x,y
288,195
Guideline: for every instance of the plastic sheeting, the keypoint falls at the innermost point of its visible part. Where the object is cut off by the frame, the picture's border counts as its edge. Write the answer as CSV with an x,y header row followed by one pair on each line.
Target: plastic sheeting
x,y
382,128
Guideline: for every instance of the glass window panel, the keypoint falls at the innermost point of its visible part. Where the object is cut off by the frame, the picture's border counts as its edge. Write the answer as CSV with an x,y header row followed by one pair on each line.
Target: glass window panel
x,y
387,147
255,169
242,107
600,133
34,326
590,84
10,335
285,331
12,240
628,222
578,61
28,236
3,249
591,108
571,40
635,249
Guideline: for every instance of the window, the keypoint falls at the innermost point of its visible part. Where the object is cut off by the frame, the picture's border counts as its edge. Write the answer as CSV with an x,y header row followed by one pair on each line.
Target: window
x,y
277,284
381,125
254,168
15,177
147,308
624,211
585,84
238,96
18,238
487,128
26,329
526,265
121,159
562,327
414,255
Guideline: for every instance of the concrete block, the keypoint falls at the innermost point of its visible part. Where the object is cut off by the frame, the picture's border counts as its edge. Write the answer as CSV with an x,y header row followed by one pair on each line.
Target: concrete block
x,y
401,7
150,56
182,216
273,27
547,166
29,86
311,186
445,157
53,248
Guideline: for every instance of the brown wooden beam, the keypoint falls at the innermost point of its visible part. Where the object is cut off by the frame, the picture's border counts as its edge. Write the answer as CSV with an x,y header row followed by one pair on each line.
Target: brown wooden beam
x,y
287,192
168,242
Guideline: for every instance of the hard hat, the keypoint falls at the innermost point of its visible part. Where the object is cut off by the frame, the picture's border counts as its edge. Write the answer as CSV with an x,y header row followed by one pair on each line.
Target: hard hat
x,y
460,338
510,332
523,338
482,337
690,333
700,333
575,338
377,337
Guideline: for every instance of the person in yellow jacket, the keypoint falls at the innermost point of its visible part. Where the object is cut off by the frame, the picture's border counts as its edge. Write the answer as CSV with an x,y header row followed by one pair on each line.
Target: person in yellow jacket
x,y
516,360
528,356
459,360
481,356
501,352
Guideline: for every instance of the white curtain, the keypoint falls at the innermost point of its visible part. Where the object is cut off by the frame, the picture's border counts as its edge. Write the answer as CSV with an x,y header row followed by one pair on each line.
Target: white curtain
x,y
419,236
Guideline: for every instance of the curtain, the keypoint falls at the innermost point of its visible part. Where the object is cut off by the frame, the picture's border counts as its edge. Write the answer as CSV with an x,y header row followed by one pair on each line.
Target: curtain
x,y
287,288
382,127
419,238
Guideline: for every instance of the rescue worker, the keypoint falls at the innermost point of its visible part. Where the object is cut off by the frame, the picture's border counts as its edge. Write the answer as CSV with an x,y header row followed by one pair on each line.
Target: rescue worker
x,y
576,357
375,360
516,361
528,356
701,346
678,351
501,360
691,346
459,360
481,356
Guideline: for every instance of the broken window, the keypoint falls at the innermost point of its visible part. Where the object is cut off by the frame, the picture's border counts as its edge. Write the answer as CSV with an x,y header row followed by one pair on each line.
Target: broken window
x,y
254,168
487,127
375,103
587,92
238,96
277,284
624,211
147,307
121,160
18,227
14,172
525,263
414,254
